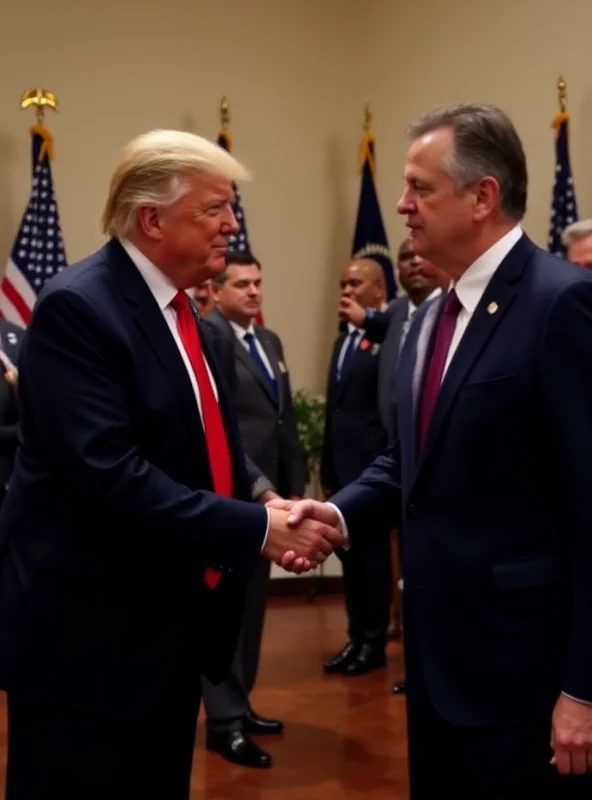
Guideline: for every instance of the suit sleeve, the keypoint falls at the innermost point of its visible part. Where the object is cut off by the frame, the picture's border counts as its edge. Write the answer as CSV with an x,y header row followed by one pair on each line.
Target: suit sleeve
x,y
374,499
376,326
74,395
293,451
327,472
566,379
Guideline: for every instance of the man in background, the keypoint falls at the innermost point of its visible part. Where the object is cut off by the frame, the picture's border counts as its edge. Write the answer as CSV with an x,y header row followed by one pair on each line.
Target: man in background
x,y
577,239
262,395
354,435
10,344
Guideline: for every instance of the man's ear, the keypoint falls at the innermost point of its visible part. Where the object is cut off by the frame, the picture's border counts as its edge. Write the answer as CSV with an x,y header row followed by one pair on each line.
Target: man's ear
x,y
149,222
486,198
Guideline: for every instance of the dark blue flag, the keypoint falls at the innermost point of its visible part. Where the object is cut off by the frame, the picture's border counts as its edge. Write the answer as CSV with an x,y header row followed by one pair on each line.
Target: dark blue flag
x,y
370,239
564,208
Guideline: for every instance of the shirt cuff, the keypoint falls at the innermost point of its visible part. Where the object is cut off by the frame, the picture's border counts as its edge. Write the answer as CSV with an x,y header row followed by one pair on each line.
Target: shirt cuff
x,y
577,699
266,529
342,525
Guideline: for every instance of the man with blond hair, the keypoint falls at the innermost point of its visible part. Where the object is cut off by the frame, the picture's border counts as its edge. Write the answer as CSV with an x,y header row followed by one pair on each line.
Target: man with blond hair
x,y
129,525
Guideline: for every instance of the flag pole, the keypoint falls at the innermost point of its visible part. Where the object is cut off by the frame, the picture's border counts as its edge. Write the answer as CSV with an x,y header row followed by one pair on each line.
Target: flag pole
x,y
41,99
562,94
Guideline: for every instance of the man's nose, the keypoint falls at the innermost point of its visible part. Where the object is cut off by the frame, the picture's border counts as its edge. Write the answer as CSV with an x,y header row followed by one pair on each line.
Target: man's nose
x,y
230,224
405,204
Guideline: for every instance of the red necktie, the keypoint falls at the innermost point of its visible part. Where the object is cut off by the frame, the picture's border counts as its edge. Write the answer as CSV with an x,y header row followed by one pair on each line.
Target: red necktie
x,y
215,433
433,379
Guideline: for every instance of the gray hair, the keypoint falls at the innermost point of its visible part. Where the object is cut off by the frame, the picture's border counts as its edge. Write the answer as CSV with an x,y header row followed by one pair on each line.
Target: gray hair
x,y
485,144
576,232
153,170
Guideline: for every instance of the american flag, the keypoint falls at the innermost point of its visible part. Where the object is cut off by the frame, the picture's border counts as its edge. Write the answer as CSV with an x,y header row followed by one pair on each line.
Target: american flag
x,y
38,252
240,241
564,209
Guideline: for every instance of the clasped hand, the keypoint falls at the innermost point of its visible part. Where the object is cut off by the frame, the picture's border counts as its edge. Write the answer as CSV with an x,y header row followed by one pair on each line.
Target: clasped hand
x,y
302,534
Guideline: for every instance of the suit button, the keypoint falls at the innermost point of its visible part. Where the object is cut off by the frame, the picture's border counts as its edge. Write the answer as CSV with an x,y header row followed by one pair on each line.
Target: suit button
x,y
413,510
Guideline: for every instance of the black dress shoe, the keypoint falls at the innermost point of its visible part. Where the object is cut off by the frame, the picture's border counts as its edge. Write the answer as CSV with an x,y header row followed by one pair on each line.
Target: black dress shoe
x,y
400,688
368,659
341,659
254,723
236,746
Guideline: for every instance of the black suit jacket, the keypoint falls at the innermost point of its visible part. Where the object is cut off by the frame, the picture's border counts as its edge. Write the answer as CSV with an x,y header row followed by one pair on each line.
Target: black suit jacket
x,y
354,434
496,509
11,337
110,517
266,422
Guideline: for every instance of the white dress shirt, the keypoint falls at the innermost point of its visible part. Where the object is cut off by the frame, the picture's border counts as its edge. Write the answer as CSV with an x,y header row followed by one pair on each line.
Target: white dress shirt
x,y
241,332
164,291
471,286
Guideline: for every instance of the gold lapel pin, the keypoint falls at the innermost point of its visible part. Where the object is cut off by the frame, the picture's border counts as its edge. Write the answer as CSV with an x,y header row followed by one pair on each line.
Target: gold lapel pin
x,y
492,308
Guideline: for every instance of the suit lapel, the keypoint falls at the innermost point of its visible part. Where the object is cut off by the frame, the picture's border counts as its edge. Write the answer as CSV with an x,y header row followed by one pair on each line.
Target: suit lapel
x,y
150,320
273,358
489,313
247,359
358,354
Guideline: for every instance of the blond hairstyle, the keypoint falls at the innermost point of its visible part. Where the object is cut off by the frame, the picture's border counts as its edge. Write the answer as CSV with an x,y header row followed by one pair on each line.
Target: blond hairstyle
x,y
153,169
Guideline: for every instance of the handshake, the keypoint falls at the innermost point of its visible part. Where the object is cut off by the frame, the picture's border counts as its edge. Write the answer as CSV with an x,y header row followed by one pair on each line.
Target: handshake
x,y
302,533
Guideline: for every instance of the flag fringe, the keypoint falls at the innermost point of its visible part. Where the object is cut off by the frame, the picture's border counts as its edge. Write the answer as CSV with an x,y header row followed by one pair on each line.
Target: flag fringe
x,y
227,139
47,146
558,121
366,151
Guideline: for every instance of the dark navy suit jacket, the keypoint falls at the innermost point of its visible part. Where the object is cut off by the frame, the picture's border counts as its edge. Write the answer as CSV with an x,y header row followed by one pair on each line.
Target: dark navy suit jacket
x,y
110,517
353,433
497,509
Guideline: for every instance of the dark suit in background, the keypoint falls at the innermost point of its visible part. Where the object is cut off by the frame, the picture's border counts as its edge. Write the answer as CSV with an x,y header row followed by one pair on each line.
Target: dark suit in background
x,y
354,436
269,435
10,342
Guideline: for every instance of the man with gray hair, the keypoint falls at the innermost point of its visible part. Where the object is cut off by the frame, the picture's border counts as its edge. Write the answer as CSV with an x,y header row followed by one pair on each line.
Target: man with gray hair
x,y
490,479
129,526
577,240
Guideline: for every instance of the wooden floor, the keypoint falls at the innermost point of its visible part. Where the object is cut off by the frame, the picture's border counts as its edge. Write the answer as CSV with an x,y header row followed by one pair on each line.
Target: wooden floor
x,y
344,738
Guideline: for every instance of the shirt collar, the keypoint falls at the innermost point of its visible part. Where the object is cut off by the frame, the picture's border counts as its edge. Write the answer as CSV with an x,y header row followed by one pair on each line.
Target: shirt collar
x,y
162,288
472,284
240,331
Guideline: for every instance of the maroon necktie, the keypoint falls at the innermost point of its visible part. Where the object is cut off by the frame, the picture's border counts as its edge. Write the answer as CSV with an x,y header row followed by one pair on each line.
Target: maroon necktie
x,y
215,433
433,378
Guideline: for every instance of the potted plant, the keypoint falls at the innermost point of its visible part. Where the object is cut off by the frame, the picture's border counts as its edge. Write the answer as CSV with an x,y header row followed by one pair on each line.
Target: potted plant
x,y
310,419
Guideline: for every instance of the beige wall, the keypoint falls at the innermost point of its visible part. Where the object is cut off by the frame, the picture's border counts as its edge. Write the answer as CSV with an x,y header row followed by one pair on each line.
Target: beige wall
x,y
297,73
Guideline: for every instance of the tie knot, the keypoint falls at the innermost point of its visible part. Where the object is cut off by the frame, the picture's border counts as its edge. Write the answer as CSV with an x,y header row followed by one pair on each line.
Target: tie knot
x,y
180,302
452,305
248,337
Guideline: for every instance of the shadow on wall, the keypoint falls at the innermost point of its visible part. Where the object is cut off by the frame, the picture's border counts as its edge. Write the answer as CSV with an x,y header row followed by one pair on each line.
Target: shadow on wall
x,y
8,224
340,240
